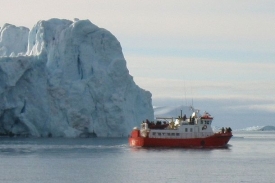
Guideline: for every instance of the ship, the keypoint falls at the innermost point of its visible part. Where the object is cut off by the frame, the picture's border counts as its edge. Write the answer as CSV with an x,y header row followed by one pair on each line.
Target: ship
x,y
187,132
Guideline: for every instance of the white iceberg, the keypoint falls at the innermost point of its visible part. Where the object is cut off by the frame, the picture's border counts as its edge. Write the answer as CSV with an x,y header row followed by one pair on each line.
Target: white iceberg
x,y
67,79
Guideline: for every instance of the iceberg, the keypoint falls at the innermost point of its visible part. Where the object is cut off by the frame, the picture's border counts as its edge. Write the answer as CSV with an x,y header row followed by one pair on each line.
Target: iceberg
x,y
66,79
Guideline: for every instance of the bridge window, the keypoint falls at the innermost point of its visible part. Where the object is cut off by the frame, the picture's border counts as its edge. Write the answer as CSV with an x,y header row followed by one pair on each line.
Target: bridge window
x,y
201,121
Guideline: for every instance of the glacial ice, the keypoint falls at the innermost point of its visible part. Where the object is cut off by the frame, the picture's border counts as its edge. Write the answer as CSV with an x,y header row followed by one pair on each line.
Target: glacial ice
x,y
68,79
13,40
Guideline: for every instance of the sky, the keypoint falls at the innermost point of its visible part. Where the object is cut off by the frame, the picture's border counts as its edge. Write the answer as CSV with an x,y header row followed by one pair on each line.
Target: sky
x,y
218,55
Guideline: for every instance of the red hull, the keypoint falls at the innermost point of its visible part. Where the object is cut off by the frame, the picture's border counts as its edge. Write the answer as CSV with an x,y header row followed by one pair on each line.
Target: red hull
x,y
216,140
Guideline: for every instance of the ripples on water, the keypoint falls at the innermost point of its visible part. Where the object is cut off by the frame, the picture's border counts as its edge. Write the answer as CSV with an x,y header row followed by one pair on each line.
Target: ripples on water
x,y
249,157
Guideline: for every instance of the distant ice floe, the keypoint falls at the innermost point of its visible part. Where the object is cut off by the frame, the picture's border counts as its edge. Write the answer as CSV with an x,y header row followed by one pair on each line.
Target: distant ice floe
x,y
252,128
258,128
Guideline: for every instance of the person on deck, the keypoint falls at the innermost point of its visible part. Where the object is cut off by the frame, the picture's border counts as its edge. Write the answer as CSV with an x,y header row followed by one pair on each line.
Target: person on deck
x,y
184,117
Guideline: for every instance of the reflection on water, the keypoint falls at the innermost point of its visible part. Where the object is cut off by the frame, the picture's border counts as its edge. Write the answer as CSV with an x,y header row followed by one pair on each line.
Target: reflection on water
x,y
15,146
32,160
174,149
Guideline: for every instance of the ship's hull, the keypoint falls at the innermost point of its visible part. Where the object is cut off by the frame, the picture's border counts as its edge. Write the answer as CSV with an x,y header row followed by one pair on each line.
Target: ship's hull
x,y
216,140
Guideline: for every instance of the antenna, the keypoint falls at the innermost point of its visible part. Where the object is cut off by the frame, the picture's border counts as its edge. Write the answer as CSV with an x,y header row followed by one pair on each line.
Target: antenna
x,y
192,94
185,93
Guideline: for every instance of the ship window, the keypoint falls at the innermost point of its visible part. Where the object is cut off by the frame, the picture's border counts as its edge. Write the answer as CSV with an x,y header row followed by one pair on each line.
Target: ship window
x,y
159,134
191,129
208,122
177,134
168,134
172,134
201,121
186,129
154,133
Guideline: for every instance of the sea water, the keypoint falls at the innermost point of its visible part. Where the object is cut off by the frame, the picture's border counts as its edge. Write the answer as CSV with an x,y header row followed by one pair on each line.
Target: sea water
x,y
249,157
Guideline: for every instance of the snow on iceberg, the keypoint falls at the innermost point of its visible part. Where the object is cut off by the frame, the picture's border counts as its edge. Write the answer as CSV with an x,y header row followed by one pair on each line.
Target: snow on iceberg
x,y
71,78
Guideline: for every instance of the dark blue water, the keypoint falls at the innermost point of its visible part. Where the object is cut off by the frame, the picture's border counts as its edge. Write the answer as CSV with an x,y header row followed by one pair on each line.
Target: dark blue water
x,y
250,157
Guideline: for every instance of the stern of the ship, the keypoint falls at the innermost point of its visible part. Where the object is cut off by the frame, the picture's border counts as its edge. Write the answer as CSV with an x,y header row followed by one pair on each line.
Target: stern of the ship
x,y
135,139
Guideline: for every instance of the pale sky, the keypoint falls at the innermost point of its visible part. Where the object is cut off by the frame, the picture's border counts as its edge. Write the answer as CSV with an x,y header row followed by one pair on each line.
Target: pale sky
x,y
219,53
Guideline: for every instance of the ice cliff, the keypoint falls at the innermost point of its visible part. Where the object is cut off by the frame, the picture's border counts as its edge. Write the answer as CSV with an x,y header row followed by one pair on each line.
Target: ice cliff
x,y
67,78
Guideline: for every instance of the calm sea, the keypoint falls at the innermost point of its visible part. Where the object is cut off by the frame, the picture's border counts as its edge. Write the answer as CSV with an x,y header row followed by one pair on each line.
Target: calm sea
x,y
250,157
